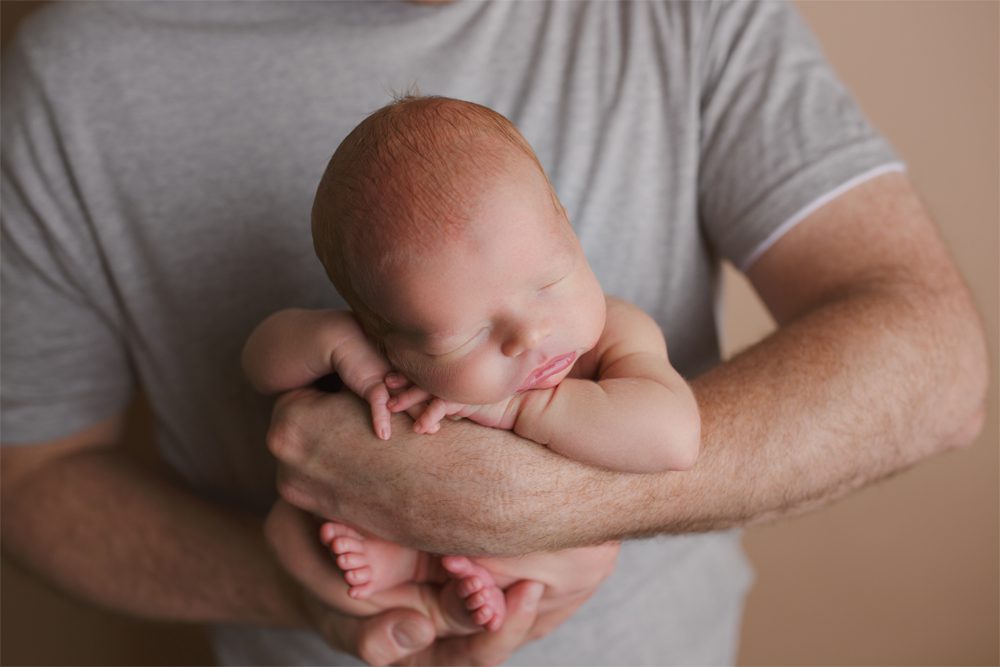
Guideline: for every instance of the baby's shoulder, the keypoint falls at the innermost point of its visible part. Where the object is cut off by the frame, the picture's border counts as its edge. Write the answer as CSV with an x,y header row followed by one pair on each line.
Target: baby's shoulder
x,y
625,318
628,330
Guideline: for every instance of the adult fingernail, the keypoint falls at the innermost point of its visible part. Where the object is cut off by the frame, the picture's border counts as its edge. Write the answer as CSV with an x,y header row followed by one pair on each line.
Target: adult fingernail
x,y
409,634
533,596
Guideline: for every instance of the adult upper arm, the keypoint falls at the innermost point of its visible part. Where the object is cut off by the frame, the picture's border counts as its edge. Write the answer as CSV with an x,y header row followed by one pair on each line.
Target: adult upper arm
x,y
877,242
876,235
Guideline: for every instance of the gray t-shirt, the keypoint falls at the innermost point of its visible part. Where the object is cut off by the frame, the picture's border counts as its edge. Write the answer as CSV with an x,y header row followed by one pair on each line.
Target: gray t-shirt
x,y
159,162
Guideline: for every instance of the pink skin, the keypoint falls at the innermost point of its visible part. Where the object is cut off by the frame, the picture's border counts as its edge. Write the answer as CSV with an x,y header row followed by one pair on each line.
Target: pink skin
x,y
508,305
484,314
371,565
550,370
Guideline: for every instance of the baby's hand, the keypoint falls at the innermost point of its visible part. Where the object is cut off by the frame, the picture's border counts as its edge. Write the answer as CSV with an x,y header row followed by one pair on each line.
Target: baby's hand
x,y
427,410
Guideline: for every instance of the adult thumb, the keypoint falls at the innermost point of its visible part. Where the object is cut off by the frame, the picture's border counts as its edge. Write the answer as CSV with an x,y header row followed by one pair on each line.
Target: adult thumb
x,y
393,635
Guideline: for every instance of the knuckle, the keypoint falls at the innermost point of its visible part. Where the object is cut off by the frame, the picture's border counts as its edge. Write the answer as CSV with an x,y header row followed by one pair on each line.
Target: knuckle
x,y
281,440
292,493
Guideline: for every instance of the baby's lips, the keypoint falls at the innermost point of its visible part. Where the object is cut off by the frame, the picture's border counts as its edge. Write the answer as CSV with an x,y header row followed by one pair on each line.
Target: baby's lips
x,y
553,366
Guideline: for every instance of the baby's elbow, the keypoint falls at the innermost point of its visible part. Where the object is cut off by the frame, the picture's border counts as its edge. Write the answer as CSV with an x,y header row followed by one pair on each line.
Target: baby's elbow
x,y
688,446
679,444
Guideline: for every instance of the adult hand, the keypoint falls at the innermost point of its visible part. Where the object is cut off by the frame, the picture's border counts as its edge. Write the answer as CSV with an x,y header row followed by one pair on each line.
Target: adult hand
x,y
492,492
408,625
332,465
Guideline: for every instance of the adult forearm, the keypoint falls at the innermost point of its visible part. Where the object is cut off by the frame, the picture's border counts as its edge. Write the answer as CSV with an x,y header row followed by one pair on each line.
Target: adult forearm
x,y
116,534
851,392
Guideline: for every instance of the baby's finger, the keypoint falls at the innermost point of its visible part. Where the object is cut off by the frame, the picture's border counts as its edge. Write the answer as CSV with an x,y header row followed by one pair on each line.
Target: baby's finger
x,y
429,421
378,398
382,421
408,399
396,380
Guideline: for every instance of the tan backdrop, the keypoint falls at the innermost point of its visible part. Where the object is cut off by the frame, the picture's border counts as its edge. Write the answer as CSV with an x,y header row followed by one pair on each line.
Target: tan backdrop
x,y
902,573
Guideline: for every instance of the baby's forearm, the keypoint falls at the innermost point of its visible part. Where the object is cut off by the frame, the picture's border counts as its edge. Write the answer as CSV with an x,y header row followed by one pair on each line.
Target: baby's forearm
x,y
623,424
295,347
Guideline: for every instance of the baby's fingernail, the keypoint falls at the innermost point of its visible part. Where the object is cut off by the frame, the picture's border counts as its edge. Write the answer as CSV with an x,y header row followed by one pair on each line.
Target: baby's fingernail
x,y
383,433
391,403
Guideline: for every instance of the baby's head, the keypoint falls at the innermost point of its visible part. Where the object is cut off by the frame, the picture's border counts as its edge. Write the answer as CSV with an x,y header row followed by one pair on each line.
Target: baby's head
x,y
437,224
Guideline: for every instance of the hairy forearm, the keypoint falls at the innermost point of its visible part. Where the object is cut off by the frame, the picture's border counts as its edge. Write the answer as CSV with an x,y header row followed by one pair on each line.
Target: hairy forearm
x,y
850,393
117,534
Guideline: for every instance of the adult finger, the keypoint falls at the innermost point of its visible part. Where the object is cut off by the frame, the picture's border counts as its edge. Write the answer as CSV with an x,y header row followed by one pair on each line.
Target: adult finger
x,y
387,638
392,636
493,648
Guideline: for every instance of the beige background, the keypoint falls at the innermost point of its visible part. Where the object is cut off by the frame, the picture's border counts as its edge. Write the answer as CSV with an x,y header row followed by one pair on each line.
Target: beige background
x,y
902,573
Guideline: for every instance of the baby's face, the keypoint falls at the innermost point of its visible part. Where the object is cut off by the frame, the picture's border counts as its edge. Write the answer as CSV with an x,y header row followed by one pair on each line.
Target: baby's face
x,y
509,306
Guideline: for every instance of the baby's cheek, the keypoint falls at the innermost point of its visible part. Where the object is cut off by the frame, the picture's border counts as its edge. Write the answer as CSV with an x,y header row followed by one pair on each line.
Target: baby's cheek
x,y
416,371
481,381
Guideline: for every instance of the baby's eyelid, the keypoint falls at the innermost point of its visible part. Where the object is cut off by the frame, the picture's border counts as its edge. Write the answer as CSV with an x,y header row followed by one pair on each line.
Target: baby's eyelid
x,y
555,282
457,347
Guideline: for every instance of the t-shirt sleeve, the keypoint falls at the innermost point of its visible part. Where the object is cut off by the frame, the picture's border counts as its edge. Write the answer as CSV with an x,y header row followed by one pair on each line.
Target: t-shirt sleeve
x,y
64,364
780,135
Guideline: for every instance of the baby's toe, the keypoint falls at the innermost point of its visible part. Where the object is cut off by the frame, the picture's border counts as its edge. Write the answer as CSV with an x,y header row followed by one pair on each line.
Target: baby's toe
x,y
346,545
469,585
351,561
359,576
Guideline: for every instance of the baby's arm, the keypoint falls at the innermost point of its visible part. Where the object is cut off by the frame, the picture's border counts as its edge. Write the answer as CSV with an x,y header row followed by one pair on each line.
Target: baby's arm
x,y
295,347
638,416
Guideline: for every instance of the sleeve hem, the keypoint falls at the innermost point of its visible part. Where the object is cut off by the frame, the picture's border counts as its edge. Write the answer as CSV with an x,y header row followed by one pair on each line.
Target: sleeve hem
x,y
811,207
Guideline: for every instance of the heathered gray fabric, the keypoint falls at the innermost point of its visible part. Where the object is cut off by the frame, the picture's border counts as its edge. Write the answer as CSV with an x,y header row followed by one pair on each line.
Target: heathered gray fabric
x,y
159,162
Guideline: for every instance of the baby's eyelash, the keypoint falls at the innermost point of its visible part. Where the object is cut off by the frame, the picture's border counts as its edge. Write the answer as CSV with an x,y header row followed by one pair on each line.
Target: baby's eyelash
x,y
552,284
457,347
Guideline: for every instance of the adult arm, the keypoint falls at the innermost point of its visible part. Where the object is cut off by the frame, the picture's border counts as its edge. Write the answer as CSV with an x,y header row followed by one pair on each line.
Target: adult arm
x,y
83,514
878,362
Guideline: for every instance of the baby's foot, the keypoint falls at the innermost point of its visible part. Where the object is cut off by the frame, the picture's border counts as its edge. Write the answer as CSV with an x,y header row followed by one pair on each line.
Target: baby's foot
x,y
369,565
482,597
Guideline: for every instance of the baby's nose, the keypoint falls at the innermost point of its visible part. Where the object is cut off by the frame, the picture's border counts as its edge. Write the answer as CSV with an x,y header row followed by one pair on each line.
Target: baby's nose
x,y
524,339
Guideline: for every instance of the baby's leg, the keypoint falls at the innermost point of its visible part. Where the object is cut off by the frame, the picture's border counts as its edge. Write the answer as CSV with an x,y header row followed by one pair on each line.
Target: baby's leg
x,y
369,564
479,591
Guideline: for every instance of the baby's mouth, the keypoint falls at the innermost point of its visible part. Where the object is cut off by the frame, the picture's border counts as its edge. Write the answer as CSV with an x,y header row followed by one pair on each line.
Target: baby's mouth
x,y
547,370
